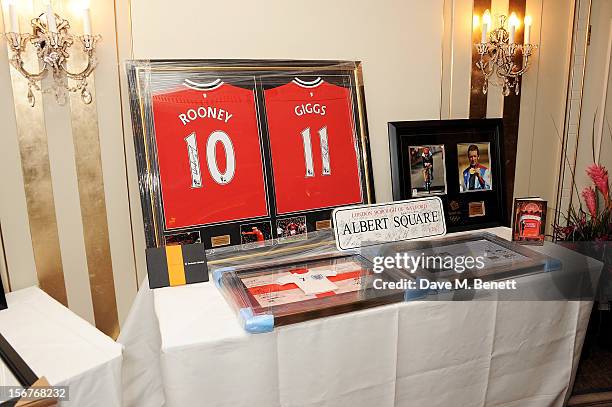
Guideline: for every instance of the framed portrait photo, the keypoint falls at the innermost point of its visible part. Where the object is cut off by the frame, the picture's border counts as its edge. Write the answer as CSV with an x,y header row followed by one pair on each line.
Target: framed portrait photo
x,y
474,167
227,149
461,161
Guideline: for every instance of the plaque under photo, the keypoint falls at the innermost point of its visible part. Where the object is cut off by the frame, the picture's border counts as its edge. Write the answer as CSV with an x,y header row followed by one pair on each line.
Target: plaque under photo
x,y
214,153
470,161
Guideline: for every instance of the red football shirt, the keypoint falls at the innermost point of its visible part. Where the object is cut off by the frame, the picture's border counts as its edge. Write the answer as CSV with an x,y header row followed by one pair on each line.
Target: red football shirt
x,y
313,144
209,155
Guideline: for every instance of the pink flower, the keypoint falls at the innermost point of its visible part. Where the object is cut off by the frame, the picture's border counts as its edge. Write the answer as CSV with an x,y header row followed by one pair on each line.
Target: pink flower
x,y
568,230
599,175
590,198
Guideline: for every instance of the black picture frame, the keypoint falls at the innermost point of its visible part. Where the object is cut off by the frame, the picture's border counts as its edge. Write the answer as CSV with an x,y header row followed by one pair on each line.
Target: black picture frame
x,y
450,133
142,76
3,304
15,363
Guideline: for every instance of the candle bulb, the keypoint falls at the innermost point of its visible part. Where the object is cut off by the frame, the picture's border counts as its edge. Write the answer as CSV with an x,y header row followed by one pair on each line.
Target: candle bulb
x,y
84,6
528,22
51,23
513,23
486,22
13,20
86,21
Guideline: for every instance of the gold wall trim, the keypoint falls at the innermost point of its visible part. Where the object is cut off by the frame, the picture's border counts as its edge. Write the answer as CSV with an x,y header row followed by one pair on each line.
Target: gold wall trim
x,y
4,262
36,169
88,160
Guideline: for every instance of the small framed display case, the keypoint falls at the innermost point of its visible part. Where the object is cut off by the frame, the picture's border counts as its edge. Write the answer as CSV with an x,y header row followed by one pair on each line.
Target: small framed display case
x,y
462,161
240,152
500,258
301,286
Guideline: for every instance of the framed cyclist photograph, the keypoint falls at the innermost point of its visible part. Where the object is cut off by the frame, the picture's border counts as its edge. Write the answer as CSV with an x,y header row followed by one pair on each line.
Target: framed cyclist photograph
x,y
214,153
458,160
427,170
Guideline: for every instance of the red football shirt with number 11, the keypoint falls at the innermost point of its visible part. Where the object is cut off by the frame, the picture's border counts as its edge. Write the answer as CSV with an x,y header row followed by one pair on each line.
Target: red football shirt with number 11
x,y
209,155
313,144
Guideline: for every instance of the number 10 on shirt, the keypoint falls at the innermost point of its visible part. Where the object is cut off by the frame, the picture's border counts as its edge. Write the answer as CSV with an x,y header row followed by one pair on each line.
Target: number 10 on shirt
x,y
219,177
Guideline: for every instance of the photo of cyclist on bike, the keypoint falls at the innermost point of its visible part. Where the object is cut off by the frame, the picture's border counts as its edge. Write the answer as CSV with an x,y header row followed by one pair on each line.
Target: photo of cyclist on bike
x,y
427,170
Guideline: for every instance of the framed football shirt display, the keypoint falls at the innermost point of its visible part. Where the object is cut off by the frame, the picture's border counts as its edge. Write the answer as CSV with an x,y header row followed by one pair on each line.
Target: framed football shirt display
x,y
244,152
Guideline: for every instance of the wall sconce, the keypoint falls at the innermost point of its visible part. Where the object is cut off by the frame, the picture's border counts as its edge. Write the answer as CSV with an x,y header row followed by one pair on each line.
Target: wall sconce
x,y
498,52
51,40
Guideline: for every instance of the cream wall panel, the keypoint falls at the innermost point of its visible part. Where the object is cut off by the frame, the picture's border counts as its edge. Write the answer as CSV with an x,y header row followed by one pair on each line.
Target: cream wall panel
x,y
596,77
529,92
552,84
124,51
13,208
461,58
398,41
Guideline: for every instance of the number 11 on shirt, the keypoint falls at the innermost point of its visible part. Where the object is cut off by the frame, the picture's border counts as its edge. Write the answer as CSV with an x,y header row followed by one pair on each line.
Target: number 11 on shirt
x,y
308,161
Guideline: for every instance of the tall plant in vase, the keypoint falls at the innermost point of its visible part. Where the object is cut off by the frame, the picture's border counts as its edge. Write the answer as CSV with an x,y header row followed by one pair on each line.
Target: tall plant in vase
x,y
594,224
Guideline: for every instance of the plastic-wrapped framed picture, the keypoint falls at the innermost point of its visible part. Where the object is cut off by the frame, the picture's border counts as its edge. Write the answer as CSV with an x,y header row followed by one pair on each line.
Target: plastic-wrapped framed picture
x,y
318,283
461,161
247,152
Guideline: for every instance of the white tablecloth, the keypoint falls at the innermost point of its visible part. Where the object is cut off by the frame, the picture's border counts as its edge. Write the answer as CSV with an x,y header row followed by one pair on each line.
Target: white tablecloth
x,y
64,348
473,353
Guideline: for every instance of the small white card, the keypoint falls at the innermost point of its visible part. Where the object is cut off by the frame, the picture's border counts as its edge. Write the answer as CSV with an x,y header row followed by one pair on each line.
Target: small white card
x,y
367,225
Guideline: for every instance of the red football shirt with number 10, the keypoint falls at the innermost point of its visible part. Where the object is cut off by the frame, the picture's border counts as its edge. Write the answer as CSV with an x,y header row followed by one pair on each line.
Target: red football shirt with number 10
x,y
313,144
209,154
